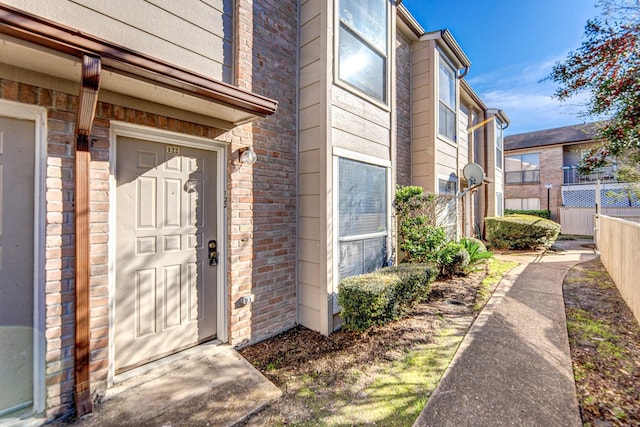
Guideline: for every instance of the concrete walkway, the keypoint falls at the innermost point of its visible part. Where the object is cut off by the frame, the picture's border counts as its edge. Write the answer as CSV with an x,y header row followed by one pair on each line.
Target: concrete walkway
x,y
513,366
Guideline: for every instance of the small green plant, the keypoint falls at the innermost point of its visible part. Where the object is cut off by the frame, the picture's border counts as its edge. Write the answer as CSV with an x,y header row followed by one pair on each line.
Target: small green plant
x,y
453,259
477,251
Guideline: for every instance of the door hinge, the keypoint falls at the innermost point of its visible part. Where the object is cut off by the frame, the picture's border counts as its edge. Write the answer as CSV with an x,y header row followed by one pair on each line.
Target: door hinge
x,y
225,200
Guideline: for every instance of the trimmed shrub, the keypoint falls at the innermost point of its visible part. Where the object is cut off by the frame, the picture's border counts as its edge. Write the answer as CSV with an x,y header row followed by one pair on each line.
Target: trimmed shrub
x,y
379,297
453,259
521,232
534,212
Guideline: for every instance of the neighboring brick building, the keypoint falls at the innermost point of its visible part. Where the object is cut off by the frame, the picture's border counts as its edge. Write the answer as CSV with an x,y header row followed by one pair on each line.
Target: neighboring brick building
x,y
150,230
541,169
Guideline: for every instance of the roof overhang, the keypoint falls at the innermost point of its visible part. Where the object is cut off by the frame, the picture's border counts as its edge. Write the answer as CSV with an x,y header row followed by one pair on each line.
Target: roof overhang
x,y
36,44
408,24
445,40
500,115
467,92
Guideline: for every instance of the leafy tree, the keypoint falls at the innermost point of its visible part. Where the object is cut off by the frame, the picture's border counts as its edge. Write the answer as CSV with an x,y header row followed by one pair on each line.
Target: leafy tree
x,y
607,65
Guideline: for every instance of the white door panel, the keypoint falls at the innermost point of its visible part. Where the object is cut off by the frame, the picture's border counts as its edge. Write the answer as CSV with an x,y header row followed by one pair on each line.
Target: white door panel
x,y
166,215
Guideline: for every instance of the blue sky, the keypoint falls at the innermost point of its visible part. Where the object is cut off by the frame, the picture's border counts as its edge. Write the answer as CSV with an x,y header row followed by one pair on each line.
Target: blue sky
x,y
512,45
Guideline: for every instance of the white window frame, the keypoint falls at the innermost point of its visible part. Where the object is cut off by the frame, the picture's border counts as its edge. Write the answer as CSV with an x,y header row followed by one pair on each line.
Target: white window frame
x,y
38,116
443,59
455,227
499,143
521,202
346,84
499,204
518,157
374,161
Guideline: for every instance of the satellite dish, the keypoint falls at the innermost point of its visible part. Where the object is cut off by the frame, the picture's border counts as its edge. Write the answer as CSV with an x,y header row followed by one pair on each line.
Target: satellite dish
x,y
473,173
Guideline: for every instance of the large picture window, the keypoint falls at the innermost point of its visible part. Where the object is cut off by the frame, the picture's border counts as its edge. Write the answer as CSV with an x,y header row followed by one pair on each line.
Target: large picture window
x,y
522,168
447,100
362,50
522,204
362,217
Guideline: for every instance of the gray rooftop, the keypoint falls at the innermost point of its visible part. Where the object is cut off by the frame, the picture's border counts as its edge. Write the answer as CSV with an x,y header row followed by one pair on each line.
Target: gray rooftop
x,y
564,135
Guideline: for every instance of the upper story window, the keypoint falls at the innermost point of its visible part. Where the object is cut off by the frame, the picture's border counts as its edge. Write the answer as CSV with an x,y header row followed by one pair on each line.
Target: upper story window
x,y
499,138
447,99
522,168
362,50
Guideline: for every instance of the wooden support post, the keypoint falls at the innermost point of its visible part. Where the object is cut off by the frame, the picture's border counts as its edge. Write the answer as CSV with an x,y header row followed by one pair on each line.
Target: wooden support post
x,y
86,112
82,347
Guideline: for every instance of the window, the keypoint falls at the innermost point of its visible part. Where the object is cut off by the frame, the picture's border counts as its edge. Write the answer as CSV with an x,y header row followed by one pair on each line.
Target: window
x,y
362,51
499,205
447,100
362,217
523,204
522,168
447,212
499,131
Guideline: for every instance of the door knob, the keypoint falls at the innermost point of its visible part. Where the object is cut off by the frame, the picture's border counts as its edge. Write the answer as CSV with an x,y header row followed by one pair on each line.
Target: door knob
x,y
213,252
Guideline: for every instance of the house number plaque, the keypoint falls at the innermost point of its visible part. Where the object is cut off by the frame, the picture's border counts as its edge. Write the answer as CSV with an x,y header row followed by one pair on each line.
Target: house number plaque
x,y
172,149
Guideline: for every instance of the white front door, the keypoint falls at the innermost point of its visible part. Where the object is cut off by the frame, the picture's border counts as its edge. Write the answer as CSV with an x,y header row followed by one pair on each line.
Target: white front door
x,y
166,288
17,160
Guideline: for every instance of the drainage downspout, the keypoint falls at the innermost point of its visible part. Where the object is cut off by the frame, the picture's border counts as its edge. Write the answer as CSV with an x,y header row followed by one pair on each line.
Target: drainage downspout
x,y
87,102
459,226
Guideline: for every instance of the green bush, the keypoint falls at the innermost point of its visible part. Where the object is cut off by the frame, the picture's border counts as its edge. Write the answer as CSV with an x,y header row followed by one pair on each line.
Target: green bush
x,y
421,241
453,259
534,212
521,232
477,251
419,233
384,295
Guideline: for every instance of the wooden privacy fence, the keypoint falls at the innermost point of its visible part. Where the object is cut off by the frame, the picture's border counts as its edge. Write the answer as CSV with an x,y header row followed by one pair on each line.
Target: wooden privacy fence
x,y
580,220
620,254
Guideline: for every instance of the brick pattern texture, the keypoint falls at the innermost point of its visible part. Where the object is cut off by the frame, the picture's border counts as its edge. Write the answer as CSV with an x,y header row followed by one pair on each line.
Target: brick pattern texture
x,y
550,173
262,217
261,214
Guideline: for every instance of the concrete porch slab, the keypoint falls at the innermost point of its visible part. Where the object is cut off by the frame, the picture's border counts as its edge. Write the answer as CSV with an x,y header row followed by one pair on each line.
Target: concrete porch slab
x,y
210,385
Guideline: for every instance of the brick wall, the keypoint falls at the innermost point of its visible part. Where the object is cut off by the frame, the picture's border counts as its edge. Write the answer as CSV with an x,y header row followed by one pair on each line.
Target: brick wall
x,y
261,211
262,220
59,232
403,110
550,173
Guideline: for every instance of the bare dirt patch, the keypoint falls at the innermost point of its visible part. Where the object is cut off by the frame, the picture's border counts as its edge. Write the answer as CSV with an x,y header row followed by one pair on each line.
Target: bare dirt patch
x,y
605,347
346,378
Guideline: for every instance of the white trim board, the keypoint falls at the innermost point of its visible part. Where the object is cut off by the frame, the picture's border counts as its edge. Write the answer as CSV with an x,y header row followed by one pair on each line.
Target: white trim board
x,y
38,115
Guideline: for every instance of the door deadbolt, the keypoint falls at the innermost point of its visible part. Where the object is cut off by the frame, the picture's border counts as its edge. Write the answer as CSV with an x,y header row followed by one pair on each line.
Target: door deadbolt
x,y
213,252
